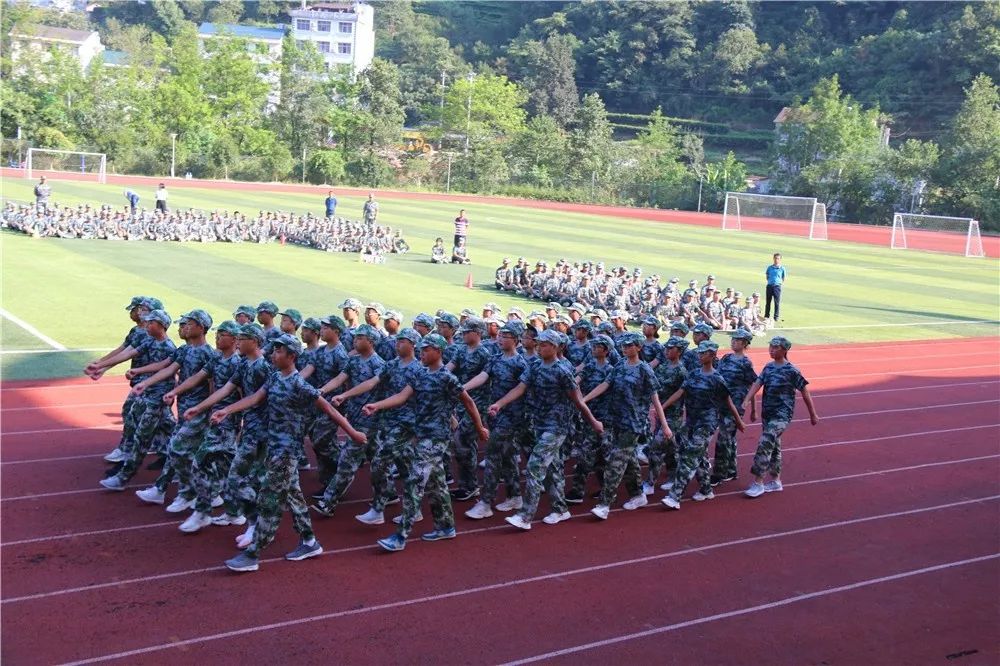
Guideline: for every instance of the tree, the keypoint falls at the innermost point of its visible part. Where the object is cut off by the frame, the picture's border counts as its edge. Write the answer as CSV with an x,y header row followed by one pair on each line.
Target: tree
x,y
497,106
379,100
590,140
304,105
728,175
546,69
226,11
540,152
656,170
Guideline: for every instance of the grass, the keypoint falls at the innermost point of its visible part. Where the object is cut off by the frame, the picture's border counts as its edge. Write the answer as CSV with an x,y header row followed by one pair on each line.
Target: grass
x,y
74,291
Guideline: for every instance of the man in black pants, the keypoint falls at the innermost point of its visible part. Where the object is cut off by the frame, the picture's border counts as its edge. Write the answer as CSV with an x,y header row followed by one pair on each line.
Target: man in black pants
x,y
775,279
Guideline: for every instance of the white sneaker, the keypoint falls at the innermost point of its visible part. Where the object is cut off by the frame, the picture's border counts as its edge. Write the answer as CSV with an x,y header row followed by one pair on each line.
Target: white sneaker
x,y
647,488
755,490
180,504
642,457
115,456
773,486
555,517
701,497
479,511
245,539
226,519
150,495
482,464
399,519
510,504
635,503
671,503
217,501
371,517
518,521
667,486
195,522
601,511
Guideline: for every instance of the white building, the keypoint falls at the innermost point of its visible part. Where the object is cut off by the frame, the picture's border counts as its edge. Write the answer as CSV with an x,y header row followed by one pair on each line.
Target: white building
x,y
343,32
38,41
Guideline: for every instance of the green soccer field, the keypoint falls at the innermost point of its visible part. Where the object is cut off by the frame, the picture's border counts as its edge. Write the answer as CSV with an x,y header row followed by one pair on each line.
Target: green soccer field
x,y
74,291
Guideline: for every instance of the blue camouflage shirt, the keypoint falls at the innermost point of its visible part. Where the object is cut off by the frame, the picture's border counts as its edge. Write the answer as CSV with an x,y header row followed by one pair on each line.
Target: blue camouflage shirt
x,y
305,358
505,374
269,336
393,378
780,383
288,399
632,388
191,360
151,350
704,398
249,378
692,361
577,352
593,375
470,362
134,340
328,361
435,395
386,347
671,378
650,350
549,386
360,370
739,375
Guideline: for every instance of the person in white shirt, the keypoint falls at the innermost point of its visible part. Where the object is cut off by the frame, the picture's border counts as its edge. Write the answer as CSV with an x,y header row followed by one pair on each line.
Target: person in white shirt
x,y
161,198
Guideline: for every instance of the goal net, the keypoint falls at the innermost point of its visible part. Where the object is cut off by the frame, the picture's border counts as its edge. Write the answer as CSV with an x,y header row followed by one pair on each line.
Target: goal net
x,y
48,161
936,233
800,216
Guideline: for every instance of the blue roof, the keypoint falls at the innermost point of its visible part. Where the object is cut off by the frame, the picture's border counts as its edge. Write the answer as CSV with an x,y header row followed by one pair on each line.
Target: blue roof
x,y
112,57
247,31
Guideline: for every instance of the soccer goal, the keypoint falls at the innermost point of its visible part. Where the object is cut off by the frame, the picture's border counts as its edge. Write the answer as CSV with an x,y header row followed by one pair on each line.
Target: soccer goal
x,y
775,214
46,160
936,233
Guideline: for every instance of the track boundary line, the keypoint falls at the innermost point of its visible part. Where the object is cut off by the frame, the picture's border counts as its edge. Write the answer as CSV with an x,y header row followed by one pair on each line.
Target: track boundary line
x,y
493,528
17,321
64,350
526,581
950,322
826,592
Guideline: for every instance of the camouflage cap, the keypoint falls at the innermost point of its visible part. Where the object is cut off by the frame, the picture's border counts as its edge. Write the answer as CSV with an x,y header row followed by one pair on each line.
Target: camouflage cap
x,y
537,314
248,310
267,306
473,325
292,314
554,306
367,331
253,331
630,339
679,326
583,324
743,334
335,322
409,335
650,320
606,328
158,315
229,327
678,342
779,341
289,342
152,303
600,313
467,312
448,319
394,315
578,307
706,346
552,337
199,317
351,304
704,329
377,307
563,319
495,319
311,323
516,325
492,307
136,301
604,341
563,338
518,312
513,331
424,319
434,340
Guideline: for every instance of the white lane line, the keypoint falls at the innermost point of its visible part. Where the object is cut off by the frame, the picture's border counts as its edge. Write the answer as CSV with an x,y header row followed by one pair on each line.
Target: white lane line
x,y
518,582
31,329
586,514
830,591
107,382
6,352
56,407
58,459
109,426
821,394
929,322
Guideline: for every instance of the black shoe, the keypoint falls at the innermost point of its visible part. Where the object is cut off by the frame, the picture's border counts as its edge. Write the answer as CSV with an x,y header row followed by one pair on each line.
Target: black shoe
x,y
394,500
574,499
113,470
463,495
715,480
322,508
157,464
318,495
449,479
596,495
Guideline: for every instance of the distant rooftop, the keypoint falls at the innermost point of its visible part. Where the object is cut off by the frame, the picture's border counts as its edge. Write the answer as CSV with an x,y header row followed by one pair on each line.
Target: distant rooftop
x,y
245,31
50,33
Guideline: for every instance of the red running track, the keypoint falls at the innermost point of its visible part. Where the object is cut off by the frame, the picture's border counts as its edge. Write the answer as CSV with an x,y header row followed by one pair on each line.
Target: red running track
x,y
892,499
951,243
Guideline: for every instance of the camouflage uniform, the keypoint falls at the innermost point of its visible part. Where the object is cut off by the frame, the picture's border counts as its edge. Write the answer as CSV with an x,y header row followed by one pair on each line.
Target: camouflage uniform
x,y
288,399
593,447
468,363
245,473
394,434
134,340
663,452
739,375
328,362
704,398
214,456
632,389
505,428
435,395
780,383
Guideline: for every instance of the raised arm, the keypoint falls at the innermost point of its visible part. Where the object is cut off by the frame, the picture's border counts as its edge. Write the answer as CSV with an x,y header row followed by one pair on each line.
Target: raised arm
x,y
511,396
151,367
333,384
470,407
240,405
186,385
307,371
392,401
678,394
597,391
476,381
164,372
363,387
210,401
338,418
111,361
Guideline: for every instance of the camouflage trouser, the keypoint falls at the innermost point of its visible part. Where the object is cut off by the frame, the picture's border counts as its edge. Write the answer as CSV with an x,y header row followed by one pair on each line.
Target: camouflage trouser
x,y
212,462
692,459
245,473
152,418
767,460
426,475
662,452
501,457
352,457
622,463
725,445
545,472
466,453
591,455
128,420
184,443
323,435
280,488
393,445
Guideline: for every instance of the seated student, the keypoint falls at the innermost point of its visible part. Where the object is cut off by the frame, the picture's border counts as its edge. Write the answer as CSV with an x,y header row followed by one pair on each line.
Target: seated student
x,y
459,255
437,252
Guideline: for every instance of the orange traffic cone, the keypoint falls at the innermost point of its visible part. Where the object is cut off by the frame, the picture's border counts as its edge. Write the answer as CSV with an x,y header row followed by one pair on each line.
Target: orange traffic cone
x,y
468,282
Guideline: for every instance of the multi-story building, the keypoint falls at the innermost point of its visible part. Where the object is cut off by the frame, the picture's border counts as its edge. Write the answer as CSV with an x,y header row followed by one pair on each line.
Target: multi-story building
x,y
343,32
263,44
37,42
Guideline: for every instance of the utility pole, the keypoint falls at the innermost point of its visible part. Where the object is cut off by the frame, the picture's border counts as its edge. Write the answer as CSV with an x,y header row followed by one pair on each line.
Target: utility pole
x,y
468,113
441,125
173,152
447,187
303,165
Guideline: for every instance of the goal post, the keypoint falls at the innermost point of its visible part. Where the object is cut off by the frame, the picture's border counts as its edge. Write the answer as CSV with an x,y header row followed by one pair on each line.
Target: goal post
x,y
936,233
772,213
49,160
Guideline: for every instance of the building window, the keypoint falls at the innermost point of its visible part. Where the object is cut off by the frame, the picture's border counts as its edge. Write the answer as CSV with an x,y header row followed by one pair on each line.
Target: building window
x,y
324,47
344,49
302,24
301,43
346,28
323,26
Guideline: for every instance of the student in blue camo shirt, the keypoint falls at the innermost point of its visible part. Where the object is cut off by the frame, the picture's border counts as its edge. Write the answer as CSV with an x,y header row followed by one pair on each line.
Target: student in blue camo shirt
x,y
780,380
737,370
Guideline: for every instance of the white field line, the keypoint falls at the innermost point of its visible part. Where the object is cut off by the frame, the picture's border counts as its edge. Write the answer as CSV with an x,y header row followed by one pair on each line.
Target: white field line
x,y
787,601
929,322
586,514
63,350
117,380
907,435
518,582
32,330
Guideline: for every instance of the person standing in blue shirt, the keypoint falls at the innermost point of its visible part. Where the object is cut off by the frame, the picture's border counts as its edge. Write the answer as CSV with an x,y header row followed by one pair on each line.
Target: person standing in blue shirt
x,y
775,279
331,204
